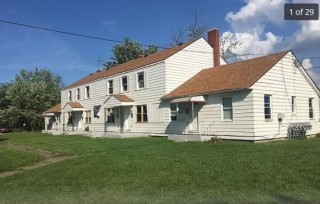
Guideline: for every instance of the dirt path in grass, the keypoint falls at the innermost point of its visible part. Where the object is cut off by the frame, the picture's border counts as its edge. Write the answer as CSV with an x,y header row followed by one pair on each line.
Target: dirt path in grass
x,y
48,158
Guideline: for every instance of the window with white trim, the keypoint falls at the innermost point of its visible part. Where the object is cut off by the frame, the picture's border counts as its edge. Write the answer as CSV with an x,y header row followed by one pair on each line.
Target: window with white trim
x,y
110,115
124,83
110,87
293,104
142,114
267,107
174,111
88,117
78,94
227,108
87,92
140,80
70,95
311,108
70,118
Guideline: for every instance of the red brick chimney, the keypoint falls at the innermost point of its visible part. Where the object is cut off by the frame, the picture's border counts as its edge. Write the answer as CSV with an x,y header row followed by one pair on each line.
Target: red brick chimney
x,y
214,41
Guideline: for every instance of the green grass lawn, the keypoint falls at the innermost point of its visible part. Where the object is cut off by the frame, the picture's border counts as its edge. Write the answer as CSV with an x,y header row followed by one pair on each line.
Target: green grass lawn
x,y
11,159
155,170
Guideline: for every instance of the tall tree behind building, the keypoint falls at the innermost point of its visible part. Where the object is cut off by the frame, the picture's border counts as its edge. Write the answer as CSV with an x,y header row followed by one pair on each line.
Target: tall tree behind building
x,y
128,50
29,95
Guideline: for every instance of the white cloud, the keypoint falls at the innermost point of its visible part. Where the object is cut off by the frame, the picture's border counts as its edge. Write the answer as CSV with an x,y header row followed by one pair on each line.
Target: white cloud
x,y
306,63
304,39
254,44
249,23
255,14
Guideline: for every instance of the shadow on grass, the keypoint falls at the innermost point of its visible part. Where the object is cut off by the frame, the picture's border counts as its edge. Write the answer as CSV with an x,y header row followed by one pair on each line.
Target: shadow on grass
x,y
288,199
3,139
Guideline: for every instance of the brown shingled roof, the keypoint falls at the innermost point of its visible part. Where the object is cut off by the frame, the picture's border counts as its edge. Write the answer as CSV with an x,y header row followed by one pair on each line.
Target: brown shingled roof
x,y
235,76
123,98
133,64
54,109
75,105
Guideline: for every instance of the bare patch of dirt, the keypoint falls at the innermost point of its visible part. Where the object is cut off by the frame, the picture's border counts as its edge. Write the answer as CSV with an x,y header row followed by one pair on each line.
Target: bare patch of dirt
x,y
48,158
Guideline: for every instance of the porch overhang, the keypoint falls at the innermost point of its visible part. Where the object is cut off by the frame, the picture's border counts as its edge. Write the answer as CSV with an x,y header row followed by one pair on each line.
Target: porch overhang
x,y
117,100
73,107
48,114
191,99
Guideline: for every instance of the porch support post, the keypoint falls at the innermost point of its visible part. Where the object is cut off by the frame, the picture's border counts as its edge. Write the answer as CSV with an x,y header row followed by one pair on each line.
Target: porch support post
x,y
192,109
63,122
45,123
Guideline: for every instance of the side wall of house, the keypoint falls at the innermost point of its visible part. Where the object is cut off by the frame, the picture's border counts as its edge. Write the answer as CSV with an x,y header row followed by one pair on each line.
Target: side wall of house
x,y
240,127
150,96
211,121
189,61
283,82
161,78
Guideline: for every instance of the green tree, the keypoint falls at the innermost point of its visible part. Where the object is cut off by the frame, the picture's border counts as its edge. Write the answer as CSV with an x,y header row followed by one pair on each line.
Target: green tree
x,y
31,93
128,50
4,103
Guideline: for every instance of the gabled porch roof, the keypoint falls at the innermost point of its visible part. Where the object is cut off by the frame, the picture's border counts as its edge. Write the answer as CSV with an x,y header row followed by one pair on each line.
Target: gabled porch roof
x,y
51,111
119,100
73,106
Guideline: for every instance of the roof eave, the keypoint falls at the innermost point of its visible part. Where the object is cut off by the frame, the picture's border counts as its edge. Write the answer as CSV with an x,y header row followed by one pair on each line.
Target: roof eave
x,y
204,93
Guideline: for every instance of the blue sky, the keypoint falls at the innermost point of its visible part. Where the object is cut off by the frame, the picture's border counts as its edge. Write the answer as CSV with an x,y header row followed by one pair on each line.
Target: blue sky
x,y
258,24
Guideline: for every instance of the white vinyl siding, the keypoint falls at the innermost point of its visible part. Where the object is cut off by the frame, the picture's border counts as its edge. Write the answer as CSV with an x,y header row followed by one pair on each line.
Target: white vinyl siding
x,y
159,77
183,65
283,81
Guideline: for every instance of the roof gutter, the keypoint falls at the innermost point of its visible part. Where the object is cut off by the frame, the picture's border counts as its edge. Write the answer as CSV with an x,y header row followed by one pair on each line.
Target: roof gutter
x,y
205,93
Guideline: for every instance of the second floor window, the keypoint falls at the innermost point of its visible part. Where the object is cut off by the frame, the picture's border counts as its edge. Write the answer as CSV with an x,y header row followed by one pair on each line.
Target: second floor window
x,y
110,87
78,94
69,95
124,83
87,92
140,80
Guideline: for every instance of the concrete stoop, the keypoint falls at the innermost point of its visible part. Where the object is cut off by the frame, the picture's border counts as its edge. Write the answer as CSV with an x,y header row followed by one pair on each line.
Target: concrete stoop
x,y
184,138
